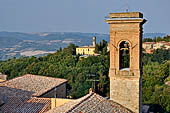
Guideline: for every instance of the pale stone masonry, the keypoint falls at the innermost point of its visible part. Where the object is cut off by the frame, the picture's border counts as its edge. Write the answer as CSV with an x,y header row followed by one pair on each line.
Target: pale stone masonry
x,y
125,84
87,50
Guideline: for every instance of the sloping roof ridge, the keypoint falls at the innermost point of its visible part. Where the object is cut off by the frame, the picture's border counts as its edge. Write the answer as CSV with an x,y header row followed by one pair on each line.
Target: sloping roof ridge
x,y
3,83
80,101
34,100
106,100
98,96
40,98
120,105
63,80
31,75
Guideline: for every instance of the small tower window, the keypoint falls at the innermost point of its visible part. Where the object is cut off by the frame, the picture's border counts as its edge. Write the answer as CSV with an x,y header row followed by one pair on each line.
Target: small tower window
x,y
124,55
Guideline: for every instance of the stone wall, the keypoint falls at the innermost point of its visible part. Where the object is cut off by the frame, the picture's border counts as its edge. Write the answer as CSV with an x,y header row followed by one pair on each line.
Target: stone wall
x,y
85,50
125,84
55,102
59,91
125,91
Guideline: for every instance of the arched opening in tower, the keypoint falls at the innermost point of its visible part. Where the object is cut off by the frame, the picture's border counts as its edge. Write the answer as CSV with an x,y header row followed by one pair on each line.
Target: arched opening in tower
x,y
124,55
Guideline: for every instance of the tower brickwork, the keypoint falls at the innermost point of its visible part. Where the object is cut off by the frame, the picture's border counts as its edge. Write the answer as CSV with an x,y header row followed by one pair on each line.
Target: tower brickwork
x,y
125,59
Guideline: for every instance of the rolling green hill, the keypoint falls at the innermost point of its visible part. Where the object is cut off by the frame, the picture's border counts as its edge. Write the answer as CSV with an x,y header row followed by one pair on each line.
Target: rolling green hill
x,y
16,44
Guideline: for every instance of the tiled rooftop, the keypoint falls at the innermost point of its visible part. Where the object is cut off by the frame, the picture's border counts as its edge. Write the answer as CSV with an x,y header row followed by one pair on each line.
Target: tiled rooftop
x,y
91,103
29,85
35,105
23,105
13,92
11,104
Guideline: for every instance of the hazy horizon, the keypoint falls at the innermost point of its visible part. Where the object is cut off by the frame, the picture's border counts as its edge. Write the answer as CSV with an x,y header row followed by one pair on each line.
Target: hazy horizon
x,y
78,16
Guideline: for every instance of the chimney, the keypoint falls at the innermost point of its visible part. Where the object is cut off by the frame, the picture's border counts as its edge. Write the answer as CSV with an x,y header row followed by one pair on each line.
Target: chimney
x,y
3,77
90,90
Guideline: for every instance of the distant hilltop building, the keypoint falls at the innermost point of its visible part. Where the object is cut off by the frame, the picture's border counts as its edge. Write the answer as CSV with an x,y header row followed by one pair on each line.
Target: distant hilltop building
x,y
87,50
150,47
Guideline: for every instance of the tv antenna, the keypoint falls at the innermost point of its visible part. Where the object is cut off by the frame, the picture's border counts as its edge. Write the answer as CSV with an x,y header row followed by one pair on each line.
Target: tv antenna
x,y
127,6
93,81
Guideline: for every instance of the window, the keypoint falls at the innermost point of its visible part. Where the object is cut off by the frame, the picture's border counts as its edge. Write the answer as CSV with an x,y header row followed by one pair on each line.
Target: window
x,y
124,55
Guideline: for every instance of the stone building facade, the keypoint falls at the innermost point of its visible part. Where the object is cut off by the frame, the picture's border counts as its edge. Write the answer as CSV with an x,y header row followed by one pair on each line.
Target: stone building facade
x,y
125,59
87,50
150,47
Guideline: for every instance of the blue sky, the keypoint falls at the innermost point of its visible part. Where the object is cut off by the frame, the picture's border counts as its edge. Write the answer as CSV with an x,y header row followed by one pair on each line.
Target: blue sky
x,y
78,15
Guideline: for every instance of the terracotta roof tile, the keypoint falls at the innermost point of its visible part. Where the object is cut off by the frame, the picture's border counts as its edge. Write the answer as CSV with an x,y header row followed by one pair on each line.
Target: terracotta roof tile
x,y
91,103
25,105
34,85
34,105
11,104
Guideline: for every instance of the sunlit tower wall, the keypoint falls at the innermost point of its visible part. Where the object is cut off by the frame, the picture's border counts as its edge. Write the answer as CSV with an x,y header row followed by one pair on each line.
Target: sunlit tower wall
x,y
125,59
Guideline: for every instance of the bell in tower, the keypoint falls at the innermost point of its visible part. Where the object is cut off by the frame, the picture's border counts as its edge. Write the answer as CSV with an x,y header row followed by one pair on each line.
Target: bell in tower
x,y
125,59
124,55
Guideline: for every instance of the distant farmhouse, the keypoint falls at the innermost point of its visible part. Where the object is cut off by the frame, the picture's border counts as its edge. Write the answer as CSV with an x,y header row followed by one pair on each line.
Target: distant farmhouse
x,y
87,50
150,47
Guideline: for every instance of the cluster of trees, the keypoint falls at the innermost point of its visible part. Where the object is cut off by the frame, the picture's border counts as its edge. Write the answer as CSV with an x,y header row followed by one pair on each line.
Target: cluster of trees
x,y
155,92
101,48
64,64
80,73
157,39
156,72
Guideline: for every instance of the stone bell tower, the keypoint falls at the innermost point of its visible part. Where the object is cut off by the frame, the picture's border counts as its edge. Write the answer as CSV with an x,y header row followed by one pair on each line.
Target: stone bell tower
x,y
94,41
125,59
